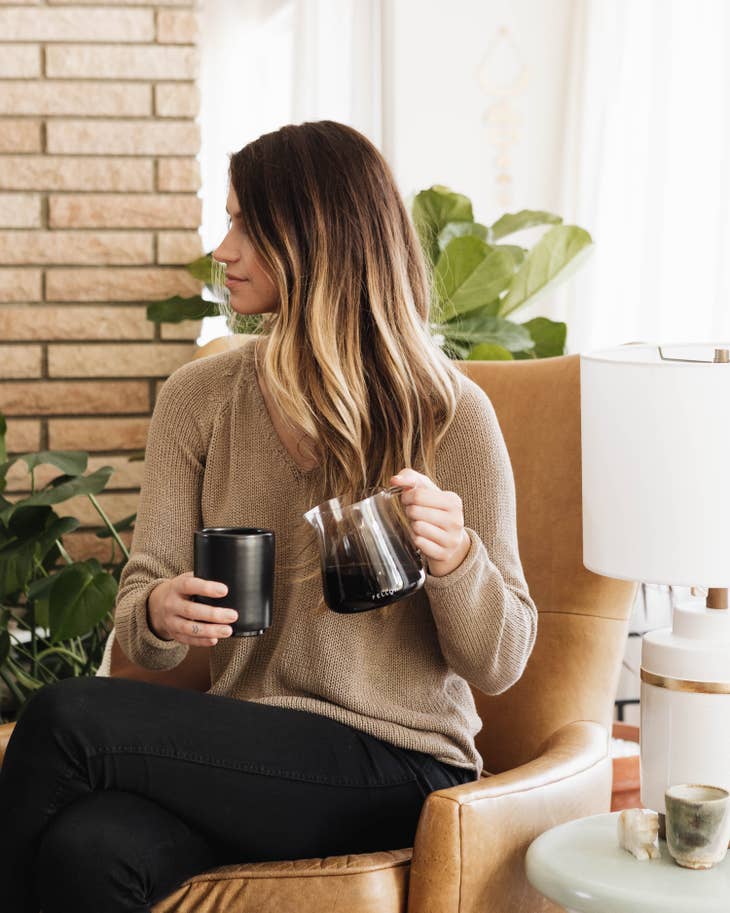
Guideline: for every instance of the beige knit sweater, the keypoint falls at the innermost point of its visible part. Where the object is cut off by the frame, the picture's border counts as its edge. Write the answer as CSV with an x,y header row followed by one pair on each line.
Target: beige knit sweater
x,y
402,673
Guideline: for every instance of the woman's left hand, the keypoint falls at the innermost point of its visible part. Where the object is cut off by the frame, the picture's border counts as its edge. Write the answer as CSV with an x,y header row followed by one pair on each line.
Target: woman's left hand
x,y
437,521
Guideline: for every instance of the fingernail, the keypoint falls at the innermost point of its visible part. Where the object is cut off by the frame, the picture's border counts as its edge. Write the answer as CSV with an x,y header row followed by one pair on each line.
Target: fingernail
x,y
223,589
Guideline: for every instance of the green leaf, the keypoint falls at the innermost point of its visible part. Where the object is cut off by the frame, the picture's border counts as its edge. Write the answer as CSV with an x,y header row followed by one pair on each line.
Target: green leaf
x,y
433,209
31,535
83,594
544,262
485,328
177,309
517,253
78,485
41,587
470,274
72,462
4,645
548,335
458,229
202,269
511,222
487,351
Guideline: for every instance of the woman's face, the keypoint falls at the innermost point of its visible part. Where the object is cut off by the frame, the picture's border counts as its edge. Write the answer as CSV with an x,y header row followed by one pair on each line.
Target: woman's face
x,y
252,289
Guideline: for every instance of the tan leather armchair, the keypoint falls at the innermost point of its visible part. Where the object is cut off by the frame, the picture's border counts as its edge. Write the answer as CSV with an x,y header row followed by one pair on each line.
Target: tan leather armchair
x,y
545,740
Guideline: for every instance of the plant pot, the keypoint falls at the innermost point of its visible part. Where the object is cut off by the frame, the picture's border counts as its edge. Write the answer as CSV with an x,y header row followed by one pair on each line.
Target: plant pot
x,y
626,790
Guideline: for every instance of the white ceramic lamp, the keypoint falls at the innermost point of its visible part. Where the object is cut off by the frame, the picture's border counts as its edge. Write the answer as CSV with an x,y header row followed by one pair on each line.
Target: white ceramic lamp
x,y
656,509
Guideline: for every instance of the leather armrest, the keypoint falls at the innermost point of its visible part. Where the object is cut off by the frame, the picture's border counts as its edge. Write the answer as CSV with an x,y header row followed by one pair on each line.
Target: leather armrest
x,y
6,730
469,851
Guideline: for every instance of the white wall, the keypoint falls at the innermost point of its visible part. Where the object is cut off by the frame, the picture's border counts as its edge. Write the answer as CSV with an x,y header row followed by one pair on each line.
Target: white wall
x,y
474,90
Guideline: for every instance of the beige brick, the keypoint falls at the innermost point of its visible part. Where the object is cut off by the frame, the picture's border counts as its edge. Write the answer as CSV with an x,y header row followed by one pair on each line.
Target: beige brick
x,y
83,545
59,97
20,361
178,174
111,137
24,434
175,27
20,136
20,285
187,329
127,473
43,172
19,210
77,247
118,284
74,323
19,2
176,100
97,433
178,247
124,211
59,397
16,61
126,360
78,61
77,25
116,506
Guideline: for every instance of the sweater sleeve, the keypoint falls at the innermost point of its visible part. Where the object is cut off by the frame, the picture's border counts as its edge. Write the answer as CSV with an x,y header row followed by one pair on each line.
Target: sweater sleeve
x,y
168,513
485,617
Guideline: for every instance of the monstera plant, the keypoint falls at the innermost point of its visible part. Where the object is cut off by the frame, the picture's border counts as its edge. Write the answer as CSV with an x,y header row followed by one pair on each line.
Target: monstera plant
x,y
55,613
479,280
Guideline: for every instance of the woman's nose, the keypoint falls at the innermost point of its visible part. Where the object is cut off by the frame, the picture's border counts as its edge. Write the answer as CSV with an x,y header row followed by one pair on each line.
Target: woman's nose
x,y
225,252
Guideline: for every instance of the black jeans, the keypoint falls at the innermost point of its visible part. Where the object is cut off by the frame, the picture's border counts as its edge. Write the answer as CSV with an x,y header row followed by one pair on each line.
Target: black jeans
x,y
113,792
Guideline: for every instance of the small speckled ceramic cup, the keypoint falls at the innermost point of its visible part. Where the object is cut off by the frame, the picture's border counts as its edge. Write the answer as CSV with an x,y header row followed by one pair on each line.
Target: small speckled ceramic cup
x,y
698,824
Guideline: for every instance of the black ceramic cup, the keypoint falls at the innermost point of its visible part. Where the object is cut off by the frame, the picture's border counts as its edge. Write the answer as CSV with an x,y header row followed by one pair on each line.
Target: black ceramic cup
x,y
243,559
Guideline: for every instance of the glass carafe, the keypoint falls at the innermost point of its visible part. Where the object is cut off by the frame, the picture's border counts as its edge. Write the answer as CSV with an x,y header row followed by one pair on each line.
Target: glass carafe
x,y
367,557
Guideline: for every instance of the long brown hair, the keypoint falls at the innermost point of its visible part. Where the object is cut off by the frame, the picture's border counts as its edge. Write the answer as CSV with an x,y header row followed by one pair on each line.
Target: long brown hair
x,y
350,359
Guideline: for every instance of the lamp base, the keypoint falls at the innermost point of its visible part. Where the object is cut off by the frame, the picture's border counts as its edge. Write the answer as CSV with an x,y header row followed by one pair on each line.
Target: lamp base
x,y
685,703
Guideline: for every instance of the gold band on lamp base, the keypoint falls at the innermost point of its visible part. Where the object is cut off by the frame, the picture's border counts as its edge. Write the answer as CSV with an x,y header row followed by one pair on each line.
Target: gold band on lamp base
x,y
684,684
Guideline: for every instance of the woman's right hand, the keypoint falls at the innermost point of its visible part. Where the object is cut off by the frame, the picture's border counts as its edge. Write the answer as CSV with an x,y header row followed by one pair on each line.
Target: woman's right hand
x,y
171,614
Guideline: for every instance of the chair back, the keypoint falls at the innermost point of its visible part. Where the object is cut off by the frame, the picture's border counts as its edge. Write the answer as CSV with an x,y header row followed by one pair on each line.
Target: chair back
x,y
573,670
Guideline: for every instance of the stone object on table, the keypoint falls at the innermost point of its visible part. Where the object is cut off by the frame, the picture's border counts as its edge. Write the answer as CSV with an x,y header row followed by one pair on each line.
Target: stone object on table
x,y
638,832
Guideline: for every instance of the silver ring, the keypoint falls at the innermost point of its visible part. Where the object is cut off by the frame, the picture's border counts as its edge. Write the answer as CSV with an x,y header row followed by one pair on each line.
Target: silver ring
x,y
195,628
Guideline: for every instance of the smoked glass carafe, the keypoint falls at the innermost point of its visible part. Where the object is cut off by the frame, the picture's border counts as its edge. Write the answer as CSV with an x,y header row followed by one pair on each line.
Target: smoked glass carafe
x,y
367,557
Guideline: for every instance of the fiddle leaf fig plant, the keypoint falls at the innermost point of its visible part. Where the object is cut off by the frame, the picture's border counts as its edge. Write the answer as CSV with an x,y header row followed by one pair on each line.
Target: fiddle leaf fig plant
x,y
55,612
478,281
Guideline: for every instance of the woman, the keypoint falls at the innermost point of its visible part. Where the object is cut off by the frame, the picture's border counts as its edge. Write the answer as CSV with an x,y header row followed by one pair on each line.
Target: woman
x,y
325,734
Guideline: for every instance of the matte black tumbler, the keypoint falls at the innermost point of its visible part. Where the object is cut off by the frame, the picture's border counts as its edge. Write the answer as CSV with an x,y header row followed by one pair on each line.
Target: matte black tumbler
x,y
243,559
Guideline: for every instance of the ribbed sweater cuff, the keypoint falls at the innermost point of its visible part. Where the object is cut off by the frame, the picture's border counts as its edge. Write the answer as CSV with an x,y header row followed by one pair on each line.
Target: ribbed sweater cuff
x,y
448,580
147,649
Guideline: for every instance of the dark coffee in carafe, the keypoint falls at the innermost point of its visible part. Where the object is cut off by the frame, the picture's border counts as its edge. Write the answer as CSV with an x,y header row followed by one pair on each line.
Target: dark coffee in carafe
x,y
355,589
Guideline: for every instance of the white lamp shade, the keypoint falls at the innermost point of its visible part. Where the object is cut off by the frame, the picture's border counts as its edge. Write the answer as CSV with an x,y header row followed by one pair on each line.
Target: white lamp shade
x,y
656,464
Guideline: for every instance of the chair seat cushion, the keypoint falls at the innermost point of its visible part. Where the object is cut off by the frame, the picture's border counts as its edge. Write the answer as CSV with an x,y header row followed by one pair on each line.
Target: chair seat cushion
x,y
365,883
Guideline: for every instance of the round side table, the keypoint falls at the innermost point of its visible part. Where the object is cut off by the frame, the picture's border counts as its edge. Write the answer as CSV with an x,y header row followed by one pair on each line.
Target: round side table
x,y
580,866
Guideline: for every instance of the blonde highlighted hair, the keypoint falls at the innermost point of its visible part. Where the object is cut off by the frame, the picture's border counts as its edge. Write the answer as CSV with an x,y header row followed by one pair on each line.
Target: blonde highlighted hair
x,y
350,359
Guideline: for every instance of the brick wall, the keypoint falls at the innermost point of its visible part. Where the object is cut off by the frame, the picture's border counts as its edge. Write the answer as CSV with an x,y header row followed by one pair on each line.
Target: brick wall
x,y
98,211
